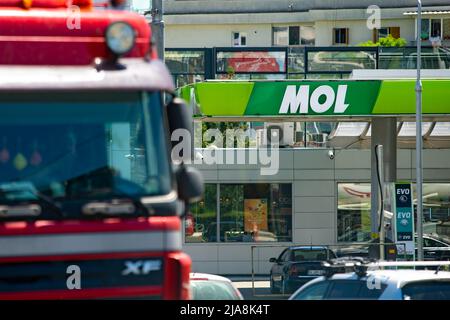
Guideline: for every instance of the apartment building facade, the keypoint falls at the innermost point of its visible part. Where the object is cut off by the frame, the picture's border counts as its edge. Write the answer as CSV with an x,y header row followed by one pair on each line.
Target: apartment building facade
x,y
263,23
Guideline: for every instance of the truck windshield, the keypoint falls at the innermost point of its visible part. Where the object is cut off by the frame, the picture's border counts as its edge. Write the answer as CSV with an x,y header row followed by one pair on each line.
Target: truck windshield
x,y
73,148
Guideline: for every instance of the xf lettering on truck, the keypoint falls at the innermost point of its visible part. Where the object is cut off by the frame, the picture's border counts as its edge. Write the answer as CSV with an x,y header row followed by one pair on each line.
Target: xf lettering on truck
x,y
319,101
141,267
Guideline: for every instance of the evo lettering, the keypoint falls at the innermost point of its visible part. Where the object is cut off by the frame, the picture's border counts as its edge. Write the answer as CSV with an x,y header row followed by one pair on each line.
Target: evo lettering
x,y
319,101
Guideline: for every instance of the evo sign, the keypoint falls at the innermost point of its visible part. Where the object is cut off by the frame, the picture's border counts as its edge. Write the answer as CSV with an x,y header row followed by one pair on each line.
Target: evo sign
x,y
404,218
320,100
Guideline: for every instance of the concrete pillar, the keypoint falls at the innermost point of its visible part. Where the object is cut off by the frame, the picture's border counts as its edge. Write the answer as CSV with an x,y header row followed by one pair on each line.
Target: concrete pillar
x,y
384,132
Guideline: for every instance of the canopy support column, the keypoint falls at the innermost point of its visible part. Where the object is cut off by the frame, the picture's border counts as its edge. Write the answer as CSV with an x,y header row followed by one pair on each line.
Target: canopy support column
x,y
384,132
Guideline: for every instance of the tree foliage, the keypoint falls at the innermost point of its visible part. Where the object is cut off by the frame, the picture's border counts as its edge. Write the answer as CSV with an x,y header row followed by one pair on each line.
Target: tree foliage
x,y
388,41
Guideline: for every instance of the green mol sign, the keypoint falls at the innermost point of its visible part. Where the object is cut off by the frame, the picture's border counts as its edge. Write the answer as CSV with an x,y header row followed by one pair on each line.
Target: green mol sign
x,y
317,98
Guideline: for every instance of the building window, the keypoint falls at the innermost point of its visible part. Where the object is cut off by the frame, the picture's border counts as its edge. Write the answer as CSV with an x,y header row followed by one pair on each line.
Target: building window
x,y
255,212
280,36
435,31
385,31
425,33
239,39
201,221
308,36
259,212
293,35
340,36
446,29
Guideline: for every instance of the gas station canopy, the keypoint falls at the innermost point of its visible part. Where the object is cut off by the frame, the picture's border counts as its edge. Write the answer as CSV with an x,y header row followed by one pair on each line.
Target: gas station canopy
x,y
339,100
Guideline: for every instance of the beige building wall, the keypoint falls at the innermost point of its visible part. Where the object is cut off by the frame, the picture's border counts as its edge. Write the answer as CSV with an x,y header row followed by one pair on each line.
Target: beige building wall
x,y
199,36
260,35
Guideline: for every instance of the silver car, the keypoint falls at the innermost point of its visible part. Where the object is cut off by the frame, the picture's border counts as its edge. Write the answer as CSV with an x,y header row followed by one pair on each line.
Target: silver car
x,y
378,285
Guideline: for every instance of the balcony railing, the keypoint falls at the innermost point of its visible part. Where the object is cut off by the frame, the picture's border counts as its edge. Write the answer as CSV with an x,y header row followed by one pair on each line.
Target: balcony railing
x,y
189,65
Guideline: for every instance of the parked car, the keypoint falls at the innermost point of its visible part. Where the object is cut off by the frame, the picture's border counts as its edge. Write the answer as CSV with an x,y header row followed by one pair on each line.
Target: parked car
x,y
296,266
435,248
378,285
211,287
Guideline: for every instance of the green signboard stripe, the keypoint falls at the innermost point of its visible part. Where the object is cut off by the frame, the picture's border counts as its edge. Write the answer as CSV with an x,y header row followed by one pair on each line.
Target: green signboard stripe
x,y
398,97
309,98
223,98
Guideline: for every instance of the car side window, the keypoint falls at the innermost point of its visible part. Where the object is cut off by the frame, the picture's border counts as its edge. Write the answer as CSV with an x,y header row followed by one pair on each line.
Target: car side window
x,y
283,255
354,289
344,289
314,292
432,243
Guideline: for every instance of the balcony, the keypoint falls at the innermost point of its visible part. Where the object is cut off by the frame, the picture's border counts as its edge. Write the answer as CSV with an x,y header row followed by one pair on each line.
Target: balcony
x,y
277,63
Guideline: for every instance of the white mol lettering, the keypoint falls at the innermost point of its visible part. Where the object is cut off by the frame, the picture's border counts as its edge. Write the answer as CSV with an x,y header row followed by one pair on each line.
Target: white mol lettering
x,y
300,101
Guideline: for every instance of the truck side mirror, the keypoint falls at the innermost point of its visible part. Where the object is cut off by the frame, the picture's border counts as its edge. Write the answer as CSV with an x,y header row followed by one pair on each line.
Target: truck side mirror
x,y
179,115
273,260
190,184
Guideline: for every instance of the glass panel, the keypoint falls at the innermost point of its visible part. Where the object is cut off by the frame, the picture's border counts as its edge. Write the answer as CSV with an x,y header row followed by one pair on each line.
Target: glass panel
x,y
408,129
255,212
425,34
280,36
441,129
353,212
446,27
201,222
251,61
185,61
350,129
435,28
336,61
294,36
185,79
323,76
308,36
296,60
267,76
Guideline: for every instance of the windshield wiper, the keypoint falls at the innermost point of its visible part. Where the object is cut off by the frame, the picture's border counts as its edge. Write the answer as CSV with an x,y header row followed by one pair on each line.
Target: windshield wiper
x,y
39,197
120,206
27,210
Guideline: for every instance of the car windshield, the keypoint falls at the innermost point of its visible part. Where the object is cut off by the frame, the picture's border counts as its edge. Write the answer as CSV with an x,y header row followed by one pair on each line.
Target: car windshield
x,y
80,147
213,290
427,290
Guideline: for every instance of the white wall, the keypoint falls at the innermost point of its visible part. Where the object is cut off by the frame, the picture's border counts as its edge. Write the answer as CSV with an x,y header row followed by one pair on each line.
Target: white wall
x,y
314,177
200,36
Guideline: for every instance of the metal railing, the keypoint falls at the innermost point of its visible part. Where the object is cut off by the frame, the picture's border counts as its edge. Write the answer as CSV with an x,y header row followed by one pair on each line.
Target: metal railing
x,y
273,63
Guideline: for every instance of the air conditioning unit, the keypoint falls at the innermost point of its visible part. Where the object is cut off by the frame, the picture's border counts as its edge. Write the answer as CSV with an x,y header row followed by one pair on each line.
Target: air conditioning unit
x,y
283,132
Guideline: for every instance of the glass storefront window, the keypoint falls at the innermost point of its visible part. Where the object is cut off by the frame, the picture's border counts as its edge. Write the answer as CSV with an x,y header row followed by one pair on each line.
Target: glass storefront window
x,y
201,221
255,212
354,210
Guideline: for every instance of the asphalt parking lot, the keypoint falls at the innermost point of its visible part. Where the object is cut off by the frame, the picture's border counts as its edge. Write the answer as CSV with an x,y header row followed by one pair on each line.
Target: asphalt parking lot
x,y
259,291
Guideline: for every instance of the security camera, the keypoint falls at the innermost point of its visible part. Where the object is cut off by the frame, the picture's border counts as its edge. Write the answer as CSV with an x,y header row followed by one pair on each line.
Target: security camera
x,y
331,154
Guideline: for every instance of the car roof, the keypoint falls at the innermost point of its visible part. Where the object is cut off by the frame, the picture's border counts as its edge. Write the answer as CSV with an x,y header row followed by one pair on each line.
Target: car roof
x,y
195,276
308,248
399,278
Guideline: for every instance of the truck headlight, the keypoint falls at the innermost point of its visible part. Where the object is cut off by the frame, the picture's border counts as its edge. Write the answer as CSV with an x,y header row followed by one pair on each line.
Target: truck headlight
x,y
120,38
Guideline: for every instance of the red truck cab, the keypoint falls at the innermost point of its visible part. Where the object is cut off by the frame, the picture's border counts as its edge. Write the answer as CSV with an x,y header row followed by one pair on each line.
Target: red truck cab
x,y
90,200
